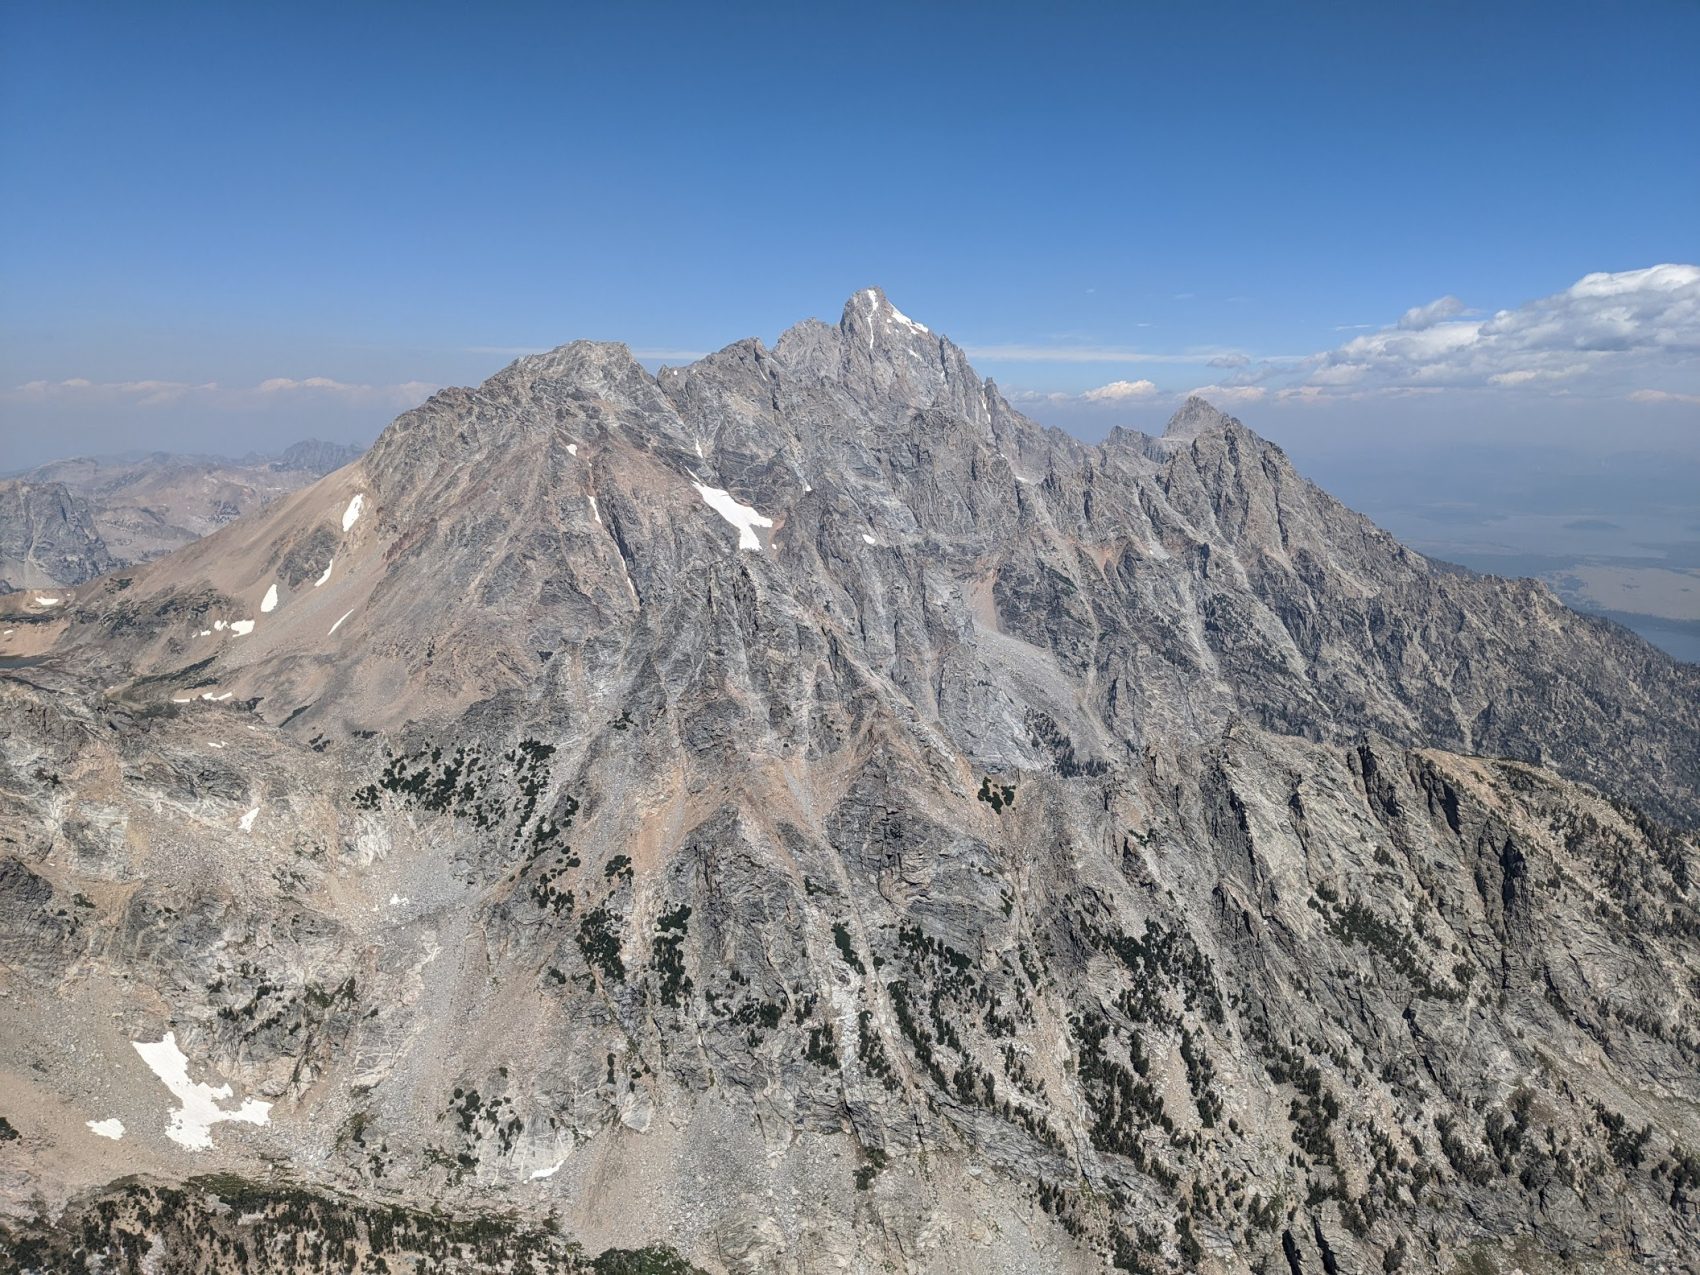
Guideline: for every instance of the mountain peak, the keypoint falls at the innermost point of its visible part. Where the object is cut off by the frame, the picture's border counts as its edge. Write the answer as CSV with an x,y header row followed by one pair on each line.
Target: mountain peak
x,y
1197,416
871,310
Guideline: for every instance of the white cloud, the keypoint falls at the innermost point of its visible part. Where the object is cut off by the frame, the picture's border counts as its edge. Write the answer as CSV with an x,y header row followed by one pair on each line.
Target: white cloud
x,y
1602,327
1419,317
80,387
1120,392
1663,396
1219,394
82,390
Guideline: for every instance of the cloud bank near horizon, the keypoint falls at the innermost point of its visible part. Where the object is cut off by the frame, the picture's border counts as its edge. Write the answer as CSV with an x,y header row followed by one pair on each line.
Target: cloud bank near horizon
x,y
1627,337
1607,335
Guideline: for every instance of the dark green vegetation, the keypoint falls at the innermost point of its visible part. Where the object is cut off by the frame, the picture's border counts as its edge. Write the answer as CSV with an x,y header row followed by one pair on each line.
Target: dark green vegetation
x,y
997,796
226,1225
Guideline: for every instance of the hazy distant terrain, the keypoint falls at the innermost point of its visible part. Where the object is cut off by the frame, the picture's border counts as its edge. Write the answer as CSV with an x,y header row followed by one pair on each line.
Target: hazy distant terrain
x,y
68,521
1615,535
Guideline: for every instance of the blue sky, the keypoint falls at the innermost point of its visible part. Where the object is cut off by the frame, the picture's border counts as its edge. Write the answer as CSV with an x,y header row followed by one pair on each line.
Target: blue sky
x,y
229,226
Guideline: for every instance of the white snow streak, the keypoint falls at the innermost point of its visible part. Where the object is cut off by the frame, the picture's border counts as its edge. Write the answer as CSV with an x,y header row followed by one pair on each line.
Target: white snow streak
x,y
241,628
338,624
268,603
743,517
905,320
352,513
246,822
48,602
868,540
322,579
538,1175
113,1129
190,1124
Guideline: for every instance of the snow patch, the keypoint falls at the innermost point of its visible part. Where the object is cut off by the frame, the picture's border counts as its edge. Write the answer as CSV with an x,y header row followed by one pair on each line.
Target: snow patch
x,y
397,901
594,511
268,603
113,1129
352,514
219,624
217,699
743,517
241,628
572,449
213,743
246,822
537,1175
906,321
868,540
48,602
322,579
190,1125
338,624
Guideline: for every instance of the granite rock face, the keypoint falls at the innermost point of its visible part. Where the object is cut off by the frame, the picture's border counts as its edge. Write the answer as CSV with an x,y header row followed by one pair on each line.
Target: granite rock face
x,y
47,538
798,810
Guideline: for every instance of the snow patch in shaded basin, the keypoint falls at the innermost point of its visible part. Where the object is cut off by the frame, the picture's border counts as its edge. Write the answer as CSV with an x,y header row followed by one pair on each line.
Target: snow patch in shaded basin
x,y
269,602
113,1129
327,575
340,619
743,517
190,1125
246,822
48,602
352,514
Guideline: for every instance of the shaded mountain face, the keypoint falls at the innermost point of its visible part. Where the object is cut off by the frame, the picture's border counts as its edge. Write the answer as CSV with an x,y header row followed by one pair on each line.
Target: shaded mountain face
x,y
47,537
797,809
67,522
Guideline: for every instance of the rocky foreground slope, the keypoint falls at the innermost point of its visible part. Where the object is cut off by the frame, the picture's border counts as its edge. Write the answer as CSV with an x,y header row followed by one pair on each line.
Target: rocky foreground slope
x,y
795,810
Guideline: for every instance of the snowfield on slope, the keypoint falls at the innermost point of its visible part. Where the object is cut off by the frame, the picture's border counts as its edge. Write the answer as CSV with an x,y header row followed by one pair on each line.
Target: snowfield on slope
x,y
191,1124
743,517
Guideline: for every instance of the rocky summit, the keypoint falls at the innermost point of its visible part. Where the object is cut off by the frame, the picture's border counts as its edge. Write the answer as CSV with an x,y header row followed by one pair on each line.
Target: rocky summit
x,y
795,813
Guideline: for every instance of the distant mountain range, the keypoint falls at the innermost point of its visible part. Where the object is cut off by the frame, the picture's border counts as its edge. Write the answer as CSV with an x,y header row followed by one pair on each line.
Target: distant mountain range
x,y
793,812
68,521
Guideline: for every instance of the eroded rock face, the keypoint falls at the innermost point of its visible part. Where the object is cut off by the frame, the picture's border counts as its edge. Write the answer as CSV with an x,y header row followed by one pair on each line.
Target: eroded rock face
x,y
796,809
47,538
